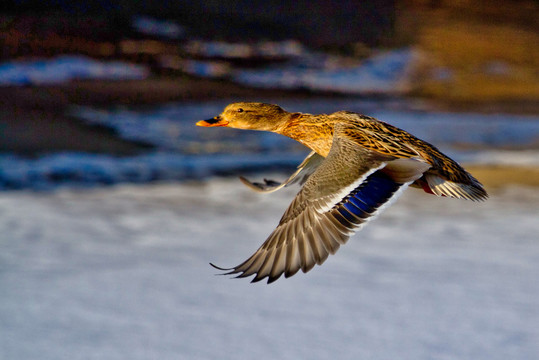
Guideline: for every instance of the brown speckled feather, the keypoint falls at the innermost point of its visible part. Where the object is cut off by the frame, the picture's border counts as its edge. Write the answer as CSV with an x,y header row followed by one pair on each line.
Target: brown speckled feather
x,y
444,178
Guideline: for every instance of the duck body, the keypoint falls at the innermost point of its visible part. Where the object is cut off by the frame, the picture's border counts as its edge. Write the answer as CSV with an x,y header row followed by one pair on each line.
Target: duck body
x,y
357,166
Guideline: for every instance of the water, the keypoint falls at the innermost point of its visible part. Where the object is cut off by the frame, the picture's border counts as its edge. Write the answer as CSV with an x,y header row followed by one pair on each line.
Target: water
x,y
184,151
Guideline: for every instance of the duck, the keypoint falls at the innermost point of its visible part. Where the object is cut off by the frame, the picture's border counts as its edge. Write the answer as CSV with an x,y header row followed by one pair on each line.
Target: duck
x,y
357,167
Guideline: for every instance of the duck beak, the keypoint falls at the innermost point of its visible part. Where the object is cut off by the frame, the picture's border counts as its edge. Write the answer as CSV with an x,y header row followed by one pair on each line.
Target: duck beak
x,y
216,121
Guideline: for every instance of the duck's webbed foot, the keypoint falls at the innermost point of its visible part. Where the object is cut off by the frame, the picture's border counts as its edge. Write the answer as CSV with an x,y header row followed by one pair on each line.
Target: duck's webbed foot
x,y
305,169
266,187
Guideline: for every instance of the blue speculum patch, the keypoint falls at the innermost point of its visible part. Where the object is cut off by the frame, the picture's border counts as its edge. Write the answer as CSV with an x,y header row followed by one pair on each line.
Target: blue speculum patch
x,y
376,190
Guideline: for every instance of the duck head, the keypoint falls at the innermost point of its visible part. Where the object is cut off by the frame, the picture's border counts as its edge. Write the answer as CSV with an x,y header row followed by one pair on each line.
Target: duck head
x,y
249,116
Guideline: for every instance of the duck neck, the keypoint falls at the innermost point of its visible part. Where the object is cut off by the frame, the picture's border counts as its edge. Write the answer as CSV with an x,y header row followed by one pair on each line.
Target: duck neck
x,y
310,130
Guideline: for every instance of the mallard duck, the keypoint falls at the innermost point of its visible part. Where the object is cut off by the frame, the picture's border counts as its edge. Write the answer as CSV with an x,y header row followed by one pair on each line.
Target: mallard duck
x,y
357,167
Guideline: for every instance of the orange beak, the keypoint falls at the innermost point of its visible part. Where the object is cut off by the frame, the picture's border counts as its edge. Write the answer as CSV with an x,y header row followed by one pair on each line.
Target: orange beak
x,y
216,121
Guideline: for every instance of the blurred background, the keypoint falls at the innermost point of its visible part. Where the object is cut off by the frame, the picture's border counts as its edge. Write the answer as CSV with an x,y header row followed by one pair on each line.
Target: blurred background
x,y
112,202
86,85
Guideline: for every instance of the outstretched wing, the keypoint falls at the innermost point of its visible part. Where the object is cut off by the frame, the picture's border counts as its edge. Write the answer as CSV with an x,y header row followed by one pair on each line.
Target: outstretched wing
x,y
345,191
445,176
305,169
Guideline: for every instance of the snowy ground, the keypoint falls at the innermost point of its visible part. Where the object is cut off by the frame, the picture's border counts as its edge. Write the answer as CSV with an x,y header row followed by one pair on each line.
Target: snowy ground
x,y
122,273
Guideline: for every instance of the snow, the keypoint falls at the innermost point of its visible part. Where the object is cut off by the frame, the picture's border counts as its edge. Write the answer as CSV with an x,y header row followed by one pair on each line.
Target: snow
x,y
212,69
65,68
290,65
389,73
150,26
238,50
122,273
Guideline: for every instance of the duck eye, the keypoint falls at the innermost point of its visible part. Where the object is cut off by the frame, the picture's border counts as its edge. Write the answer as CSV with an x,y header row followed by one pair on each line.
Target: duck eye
x,y
240,110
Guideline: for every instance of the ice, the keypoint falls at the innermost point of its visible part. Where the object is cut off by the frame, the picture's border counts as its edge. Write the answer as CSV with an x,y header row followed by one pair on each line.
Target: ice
x,y
388,72
151,26
238,50
122,273
212,69
65,68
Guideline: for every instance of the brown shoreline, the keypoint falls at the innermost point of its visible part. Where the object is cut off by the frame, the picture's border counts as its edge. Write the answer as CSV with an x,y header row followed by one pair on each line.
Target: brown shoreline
x,y
160,89
498,176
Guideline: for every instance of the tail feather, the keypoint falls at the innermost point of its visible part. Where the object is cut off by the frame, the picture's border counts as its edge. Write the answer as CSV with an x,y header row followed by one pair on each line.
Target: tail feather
x,y
473,190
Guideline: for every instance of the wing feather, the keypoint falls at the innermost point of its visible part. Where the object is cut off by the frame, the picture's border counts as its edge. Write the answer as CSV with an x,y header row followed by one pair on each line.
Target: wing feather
x,y
305,169
348,189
